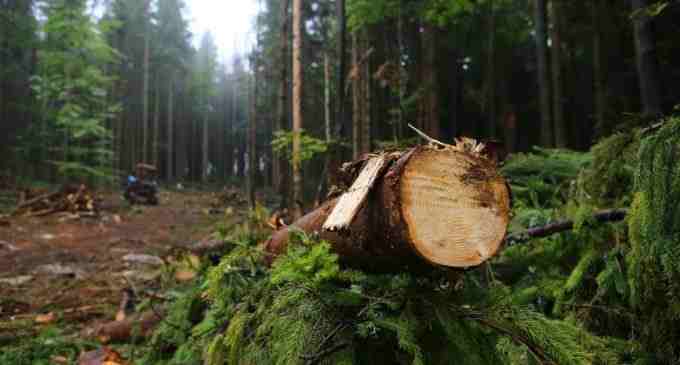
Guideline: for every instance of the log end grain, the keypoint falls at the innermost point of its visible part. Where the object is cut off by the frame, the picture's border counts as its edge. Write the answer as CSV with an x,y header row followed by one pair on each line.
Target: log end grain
x,y
456,207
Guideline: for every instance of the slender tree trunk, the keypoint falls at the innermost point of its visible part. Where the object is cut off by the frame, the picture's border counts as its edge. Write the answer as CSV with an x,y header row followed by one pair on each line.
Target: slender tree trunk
x,y
646,59
398,133
327,94
252,140
334,158
170,157
205,149
356,97
156,122
145,89
366,101
598,67
491,74
280,165
561,136
547,135
297,106
234,117
429,105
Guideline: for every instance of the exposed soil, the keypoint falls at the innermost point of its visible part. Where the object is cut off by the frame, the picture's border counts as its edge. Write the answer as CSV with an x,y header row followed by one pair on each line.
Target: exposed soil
x,y
75,267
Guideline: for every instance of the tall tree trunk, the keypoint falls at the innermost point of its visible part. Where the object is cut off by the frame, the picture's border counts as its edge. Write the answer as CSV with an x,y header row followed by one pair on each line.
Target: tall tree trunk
x,y
342,65
327,94
252,140
598,64
429,106
646,59
205,149
156,121
356,97
280,165
561,134
145,88
234,117
170,156
366,101
491,74
547,134
334,158
297,106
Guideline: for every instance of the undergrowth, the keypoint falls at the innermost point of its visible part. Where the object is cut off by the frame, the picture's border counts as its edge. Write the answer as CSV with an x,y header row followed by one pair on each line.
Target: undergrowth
x,y
42,349
307,309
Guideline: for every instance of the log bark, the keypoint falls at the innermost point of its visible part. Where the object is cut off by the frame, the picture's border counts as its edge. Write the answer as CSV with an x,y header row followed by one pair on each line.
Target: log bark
x,y
435,206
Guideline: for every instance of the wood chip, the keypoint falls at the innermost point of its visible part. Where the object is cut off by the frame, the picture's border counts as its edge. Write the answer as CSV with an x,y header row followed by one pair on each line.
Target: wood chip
x,y
185,275
45,318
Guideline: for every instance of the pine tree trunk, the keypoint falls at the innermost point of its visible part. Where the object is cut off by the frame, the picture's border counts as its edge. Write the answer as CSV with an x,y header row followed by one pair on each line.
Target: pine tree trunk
x,y
394,226
356,97
598,67
561,137
252,139
156,121
170,156
205,149
646,59
429,104
280,166
547,134
327,94
145,88
366,101
491,74
297,106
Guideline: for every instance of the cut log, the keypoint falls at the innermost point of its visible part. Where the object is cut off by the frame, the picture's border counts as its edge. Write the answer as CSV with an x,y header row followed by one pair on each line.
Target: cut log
x,y
440,206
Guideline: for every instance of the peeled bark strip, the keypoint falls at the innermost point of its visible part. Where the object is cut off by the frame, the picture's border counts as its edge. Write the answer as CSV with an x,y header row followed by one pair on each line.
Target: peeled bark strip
x,y
439,206
347,208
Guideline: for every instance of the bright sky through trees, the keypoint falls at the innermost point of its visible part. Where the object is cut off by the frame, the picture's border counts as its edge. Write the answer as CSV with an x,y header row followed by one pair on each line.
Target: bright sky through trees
x,y
230,22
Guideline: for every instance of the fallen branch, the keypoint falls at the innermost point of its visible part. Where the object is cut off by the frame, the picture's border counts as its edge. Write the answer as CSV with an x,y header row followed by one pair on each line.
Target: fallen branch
x,y
610,215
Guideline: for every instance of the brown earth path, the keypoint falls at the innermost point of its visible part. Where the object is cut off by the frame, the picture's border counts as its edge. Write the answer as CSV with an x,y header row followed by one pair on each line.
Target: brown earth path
x,y
76,268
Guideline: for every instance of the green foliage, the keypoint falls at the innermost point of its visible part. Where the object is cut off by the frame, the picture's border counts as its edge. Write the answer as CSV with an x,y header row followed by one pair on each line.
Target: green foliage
x,y
310,146
543,178
40,349
307,262
307,304
361,13
73,87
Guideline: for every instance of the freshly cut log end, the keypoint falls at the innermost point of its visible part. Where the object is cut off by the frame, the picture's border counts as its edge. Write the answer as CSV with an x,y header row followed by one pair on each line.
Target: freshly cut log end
x,y
431,206
455,206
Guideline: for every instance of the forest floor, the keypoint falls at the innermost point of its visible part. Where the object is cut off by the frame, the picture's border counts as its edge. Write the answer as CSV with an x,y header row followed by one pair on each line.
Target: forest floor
x,y
77,270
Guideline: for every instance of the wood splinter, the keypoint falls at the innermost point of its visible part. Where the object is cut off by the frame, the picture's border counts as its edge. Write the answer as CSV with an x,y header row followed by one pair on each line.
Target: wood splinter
x,y
351,201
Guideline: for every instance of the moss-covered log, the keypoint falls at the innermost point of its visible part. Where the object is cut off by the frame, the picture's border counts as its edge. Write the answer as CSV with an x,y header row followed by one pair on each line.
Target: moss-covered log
x,y
442,206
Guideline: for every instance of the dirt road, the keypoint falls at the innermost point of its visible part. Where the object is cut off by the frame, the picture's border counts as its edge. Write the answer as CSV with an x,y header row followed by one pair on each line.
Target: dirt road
x,y
59,265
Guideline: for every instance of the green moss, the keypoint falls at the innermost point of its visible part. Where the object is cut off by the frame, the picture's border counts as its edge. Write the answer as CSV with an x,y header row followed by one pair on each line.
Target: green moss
x,y
654,257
